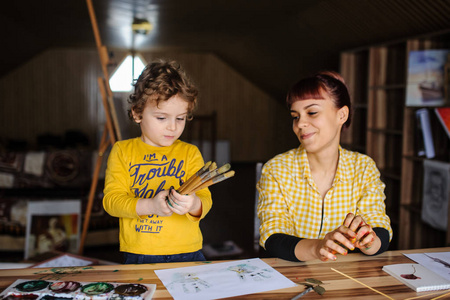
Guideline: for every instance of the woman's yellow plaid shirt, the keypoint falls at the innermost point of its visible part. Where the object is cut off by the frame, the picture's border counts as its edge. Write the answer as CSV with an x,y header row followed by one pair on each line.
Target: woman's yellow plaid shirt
x,y
290,203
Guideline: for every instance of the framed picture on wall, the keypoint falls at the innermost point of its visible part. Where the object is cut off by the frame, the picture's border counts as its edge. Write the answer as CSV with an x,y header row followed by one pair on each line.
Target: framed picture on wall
x,y
425,81
436,193
52,225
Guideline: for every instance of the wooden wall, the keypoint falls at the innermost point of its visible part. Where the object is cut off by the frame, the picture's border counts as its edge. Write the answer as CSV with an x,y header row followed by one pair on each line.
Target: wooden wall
x,y
54,92
57,91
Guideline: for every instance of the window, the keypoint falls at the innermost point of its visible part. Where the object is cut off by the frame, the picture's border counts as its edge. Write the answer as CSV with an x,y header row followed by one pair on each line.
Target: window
x,y
124,76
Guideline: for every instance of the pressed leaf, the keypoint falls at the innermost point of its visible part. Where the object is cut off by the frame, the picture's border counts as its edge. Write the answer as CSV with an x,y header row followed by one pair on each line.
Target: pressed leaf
x,y
319,290
410,276
307,284
312,280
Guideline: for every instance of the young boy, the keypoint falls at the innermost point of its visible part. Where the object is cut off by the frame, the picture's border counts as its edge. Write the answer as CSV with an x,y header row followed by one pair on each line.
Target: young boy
x,y
141,171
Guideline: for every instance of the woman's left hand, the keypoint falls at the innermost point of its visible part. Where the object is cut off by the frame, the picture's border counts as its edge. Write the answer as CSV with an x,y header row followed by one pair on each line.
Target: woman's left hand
x,y
364,234
183,204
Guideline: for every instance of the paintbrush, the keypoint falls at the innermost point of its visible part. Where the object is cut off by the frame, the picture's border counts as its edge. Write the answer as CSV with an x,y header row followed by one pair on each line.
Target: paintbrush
x,y
212,181
206,176
309,289
201,171
197,178
213,171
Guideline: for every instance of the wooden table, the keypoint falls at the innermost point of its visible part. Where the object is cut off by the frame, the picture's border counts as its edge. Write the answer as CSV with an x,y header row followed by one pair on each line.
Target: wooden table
x,y
366,270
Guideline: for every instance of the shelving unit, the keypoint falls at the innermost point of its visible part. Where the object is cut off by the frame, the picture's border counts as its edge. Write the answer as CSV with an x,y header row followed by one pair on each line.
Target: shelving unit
x,y
384,128
415,233
354,69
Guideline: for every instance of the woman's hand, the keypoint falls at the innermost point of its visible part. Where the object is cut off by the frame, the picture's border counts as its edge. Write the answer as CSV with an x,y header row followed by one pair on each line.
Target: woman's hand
x,y
336,241
364,237
353,233
183,204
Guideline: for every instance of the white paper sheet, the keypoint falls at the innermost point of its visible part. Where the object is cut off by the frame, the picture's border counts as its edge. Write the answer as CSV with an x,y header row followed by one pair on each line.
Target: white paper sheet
x,y
438,262
64,261
220,280
34,163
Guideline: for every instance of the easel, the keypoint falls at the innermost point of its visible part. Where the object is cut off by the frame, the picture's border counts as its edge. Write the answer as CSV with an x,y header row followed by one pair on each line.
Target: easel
x,y
111,133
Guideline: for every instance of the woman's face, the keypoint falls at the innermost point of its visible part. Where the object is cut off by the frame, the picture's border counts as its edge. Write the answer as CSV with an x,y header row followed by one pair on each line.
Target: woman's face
x,y
317,123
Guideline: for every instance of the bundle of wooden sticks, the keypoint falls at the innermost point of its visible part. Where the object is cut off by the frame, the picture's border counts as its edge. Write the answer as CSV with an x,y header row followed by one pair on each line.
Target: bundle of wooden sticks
x,y
208,175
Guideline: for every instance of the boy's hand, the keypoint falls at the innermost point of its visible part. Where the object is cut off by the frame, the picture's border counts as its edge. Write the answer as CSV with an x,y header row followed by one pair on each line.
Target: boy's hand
x,y
183,204
159,204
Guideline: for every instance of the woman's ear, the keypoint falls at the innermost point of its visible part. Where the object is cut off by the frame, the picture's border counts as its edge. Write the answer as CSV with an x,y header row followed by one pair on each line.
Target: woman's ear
x,y
343,114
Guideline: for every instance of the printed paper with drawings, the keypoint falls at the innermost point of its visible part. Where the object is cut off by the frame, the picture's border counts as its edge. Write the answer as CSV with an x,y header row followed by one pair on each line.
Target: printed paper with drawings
x,y
438,262
66,260
220,280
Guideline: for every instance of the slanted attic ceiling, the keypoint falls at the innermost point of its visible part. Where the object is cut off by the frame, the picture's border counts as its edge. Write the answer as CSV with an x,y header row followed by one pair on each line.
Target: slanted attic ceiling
x,y
272,43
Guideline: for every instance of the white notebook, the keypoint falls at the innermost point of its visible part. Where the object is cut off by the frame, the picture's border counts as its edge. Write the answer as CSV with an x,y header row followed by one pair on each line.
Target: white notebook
x,y
417,277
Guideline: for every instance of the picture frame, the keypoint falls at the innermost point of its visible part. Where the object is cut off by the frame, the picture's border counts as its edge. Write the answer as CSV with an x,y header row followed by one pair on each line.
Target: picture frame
x,y
436,193
52,225
426,78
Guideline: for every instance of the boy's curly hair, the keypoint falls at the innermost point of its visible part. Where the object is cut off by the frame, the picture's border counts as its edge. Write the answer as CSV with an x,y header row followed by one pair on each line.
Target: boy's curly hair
x,y
160,81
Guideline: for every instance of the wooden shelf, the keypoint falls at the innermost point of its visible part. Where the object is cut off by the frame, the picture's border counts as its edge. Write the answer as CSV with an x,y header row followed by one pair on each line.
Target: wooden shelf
x,y
394,221
391,173
414,158
388,87
386,130
360,106
412,208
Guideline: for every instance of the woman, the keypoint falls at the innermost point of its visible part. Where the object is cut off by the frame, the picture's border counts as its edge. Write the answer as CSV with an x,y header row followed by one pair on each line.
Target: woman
x,y
320,199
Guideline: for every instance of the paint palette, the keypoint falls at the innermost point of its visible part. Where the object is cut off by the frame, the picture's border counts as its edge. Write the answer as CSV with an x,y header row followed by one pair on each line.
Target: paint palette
x,y
25,289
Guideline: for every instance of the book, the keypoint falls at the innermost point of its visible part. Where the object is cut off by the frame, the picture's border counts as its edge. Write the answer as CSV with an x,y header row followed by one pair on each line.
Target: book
x,y
443,114
438,262
419,144
417,277
423,123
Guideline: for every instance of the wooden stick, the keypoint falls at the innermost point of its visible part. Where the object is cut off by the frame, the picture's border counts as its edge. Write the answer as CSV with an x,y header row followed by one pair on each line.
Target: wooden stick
x,y
431,294
362,284
196,177
213,180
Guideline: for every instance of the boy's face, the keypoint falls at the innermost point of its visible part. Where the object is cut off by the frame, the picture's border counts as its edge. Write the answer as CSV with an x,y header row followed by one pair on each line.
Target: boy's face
x,y
161,126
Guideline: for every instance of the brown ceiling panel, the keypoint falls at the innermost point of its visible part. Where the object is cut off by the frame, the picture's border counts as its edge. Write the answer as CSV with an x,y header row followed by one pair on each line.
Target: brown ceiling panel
x,y
272,43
